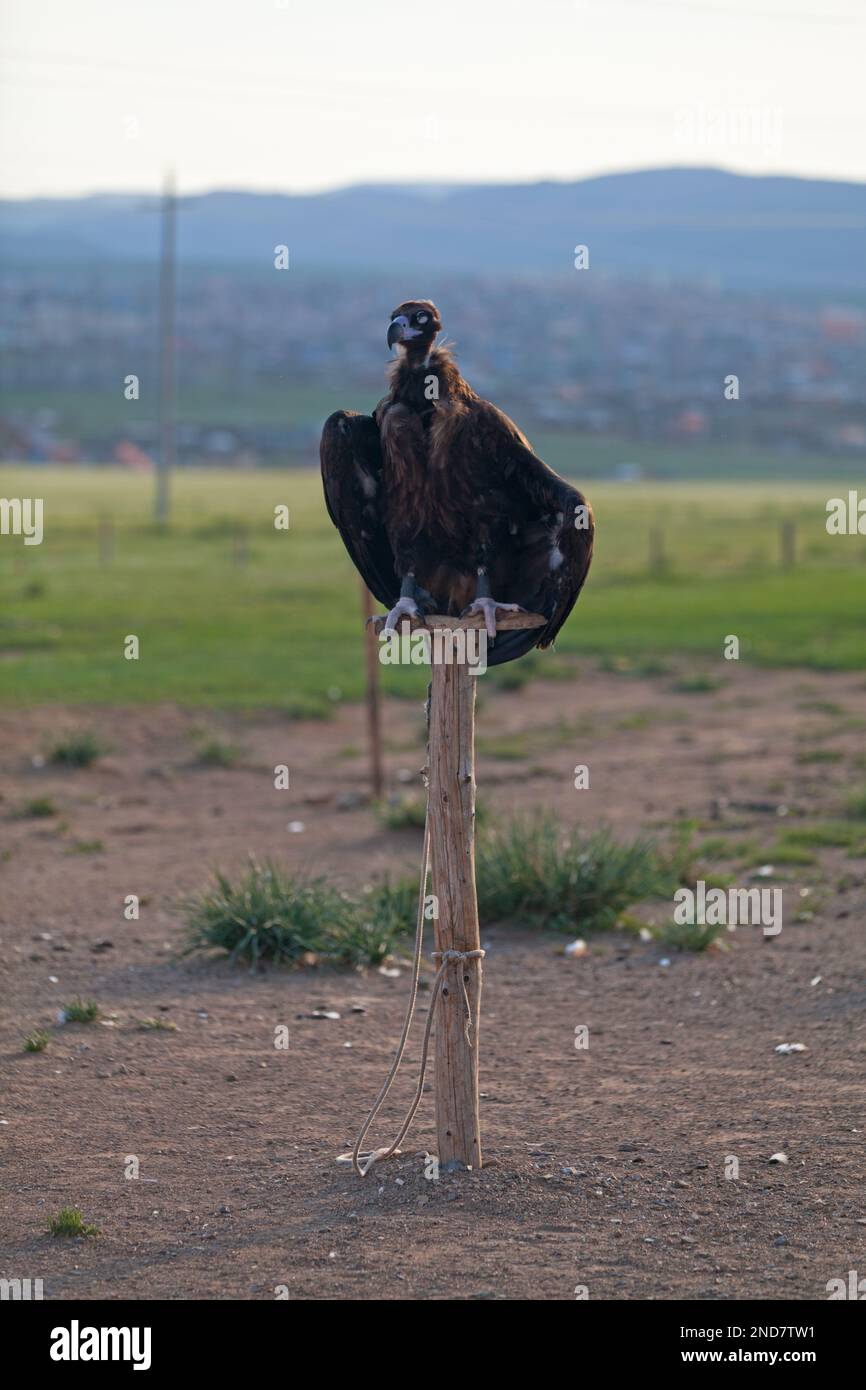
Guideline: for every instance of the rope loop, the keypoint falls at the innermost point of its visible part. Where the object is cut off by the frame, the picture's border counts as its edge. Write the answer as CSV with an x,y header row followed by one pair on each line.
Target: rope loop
x,y
363,1162
459,955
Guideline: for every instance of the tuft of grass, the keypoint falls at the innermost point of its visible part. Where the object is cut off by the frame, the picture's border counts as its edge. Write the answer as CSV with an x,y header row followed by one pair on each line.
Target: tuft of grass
x,y
680,854
270,915
649,665
37,1041
535,871
689,936
392,908
157,1025
717,880
640,719
410,812
80,1010
826,834
70,1222
697,684
828,707
403,813
719,847
820,755
307,707
616,665
86,847
216,528
553,666
77,749
511,748
855,806
515,674
716,847
783,852
532,871
39,808
217,752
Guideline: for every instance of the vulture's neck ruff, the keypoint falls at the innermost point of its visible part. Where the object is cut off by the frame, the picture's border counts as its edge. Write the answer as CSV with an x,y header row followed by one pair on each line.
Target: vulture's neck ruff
x,y
410,378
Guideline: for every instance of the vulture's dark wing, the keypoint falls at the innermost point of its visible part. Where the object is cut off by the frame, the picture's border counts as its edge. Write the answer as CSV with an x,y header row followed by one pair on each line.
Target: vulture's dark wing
x,y
351,458
552,529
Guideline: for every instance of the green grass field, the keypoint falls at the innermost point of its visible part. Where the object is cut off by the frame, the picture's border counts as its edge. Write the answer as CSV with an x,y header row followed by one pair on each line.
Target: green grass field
x,y
282,628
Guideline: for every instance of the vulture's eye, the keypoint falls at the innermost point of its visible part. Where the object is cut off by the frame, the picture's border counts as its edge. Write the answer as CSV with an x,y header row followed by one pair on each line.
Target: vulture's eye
x,y
421,318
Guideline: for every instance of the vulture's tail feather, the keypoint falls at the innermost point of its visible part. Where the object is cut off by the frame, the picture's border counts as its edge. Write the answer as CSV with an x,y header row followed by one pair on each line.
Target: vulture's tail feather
x,y
509,645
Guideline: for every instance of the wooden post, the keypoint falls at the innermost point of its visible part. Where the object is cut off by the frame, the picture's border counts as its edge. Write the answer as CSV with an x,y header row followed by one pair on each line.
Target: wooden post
x,y
374,721
451,813
657,560
451,819
241,545
451,760
106,540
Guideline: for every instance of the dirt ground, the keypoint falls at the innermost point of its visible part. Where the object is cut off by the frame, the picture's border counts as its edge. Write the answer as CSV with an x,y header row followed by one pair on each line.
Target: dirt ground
x,y
604,1168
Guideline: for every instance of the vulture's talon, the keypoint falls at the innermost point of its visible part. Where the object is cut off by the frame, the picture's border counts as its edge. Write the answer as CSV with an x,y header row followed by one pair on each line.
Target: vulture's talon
x,y
403,608
489,607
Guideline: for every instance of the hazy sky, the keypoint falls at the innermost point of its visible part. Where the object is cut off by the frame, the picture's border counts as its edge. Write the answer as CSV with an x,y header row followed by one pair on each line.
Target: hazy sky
x,y
101,95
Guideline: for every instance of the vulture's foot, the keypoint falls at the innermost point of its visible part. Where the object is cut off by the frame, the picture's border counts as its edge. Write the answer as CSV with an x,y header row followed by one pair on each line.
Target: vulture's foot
x,y
403,608
489,608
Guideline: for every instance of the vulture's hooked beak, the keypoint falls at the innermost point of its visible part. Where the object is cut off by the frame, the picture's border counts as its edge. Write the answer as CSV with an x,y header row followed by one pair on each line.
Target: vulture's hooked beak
x,y
395,329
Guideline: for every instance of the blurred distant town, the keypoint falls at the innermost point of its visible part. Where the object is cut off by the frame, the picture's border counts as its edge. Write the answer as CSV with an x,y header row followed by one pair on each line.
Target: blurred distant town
x,y
261,360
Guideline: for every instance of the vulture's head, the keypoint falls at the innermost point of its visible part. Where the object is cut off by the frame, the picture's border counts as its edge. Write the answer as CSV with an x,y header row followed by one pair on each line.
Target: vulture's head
x,y
414,324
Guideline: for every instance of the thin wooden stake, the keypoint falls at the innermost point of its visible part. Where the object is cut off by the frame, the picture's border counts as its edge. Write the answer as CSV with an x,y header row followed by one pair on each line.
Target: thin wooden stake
x,y
106,540
241,545
374,717
657,559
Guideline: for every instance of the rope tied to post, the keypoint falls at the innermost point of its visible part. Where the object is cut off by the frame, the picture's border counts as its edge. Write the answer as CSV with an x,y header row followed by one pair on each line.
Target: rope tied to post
x,y
447,957
363,1162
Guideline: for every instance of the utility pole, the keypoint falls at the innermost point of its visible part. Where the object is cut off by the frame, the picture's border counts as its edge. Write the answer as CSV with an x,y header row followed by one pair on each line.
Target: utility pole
x,y
167,443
